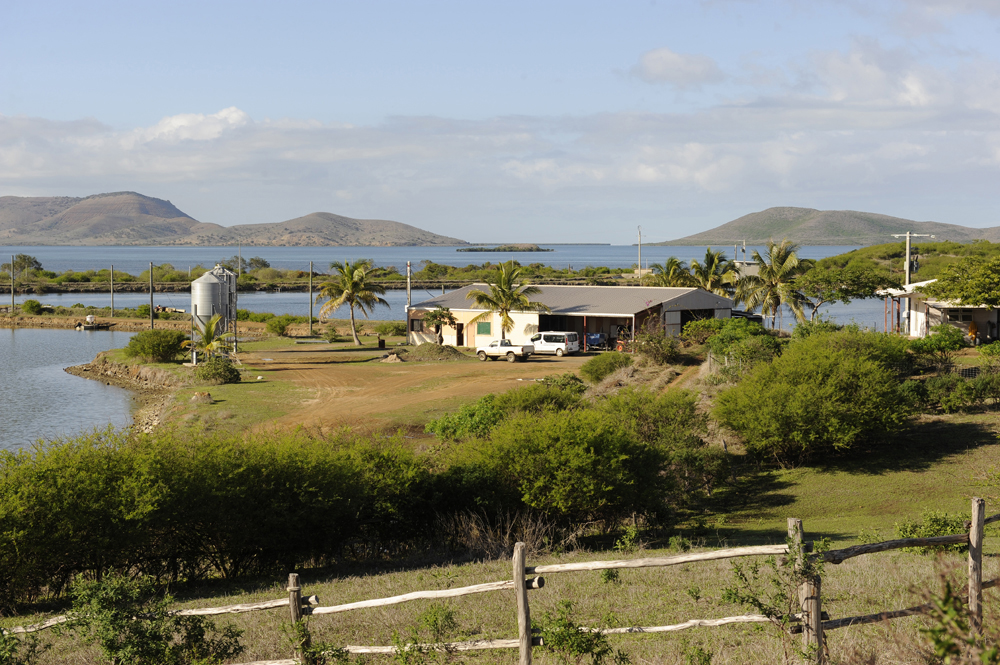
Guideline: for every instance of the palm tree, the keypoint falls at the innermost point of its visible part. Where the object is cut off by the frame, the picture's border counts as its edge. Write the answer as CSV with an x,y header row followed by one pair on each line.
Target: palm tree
x,y
715,274
672,272
774,283
211,339
351,286
506,295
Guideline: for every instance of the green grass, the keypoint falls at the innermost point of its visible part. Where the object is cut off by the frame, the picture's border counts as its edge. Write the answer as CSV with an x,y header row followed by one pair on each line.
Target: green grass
x,y
236,406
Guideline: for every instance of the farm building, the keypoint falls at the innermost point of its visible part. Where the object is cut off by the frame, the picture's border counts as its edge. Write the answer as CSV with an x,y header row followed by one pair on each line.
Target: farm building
x,y
909,311
612,310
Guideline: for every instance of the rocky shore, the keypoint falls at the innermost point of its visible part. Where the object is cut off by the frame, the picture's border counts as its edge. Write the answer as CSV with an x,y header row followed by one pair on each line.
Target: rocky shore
x,y
153,387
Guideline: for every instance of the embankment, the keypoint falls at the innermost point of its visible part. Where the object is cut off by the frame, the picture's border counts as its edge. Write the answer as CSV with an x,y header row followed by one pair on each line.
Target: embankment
x,y
153,387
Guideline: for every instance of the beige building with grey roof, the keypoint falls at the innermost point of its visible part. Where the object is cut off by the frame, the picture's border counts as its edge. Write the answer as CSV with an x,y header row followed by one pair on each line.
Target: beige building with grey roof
x,y
612,310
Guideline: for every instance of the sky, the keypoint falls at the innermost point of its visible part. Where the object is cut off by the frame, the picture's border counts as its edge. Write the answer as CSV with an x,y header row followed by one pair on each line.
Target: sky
x,y
539,121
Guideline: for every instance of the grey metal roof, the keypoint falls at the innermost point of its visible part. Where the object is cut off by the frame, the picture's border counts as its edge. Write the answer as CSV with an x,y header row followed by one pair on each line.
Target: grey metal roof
x,y
594,300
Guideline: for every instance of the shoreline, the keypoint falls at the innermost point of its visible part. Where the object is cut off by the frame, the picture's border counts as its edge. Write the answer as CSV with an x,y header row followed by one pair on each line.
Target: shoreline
x,y
152,389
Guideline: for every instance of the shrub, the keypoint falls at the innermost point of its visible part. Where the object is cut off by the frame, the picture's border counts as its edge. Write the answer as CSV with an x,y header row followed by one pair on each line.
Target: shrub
x,y
568,381
129,621
155,345
653,344
142,311
698,332
604,364
819,326
217,370
278,325
580,465
391,328
933,523
481,417
941,345
32,307
813,399
731,332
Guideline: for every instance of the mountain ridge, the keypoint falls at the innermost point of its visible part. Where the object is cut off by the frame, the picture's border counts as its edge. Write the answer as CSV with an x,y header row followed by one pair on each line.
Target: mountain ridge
x,y
809,226
131,218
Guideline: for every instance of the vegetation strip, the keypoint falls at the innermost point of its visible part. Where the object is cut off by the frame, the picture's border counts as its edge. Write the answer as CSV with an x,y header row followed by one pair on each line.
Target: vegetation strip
x,y
416,595
839,556
731,553
470,645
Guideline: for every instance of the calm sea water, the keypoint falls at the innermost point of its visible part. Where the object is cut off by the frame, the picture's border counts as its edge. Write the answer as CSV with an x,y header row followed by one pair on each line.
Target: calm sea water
x,y
38,400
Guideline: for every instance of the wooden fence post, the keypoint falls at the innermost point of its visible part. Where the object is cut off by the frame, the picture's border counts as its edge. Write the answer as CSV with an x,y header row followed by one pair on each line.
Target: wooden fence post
x,y
523,614
976,564
809,599
295,609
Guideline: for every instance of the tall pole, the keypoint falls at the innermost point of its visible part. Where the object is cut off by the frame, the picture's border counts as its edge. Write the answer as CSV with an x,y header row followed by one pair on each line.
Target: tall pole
x,y
112,290
408,271
239,260
640,253
908,235
12,285
310,298
151,295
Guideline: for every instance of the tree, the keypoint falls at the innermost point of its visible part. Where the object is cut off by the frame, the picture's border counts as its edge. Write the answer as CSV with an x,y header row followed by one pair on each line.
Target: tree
x,y
672,272
715,273
440,318
774,285
971,282
235,264
212,339
830,285
351,286
22,263
506,295
257,263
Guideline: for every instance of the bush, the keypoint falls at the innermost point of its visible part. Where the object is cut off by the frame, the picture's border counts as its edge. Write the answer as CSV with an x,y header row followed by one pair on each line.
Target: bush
x,y
653,344
129,621
217,370
32,307
819,326
731,332
391,328
604,364
155,345
481,417
568,381
814,399
278,325
933,523
941,345
698,332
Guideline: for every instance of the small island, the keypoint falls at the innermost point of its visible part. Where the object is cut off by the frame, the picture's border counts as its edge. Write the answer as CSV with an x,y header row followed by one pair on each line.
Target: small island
x,y
516,247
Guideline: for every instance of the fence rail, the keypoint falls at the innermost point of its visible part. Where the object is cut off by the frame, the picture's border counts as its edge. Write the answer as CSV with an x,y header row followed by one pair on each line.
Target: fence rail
x,y
813,621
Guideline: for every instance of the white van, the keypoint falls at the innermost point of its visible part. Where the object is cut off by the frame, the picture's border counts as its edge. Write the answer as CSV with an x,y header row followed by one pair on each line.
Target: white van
x,y
558,343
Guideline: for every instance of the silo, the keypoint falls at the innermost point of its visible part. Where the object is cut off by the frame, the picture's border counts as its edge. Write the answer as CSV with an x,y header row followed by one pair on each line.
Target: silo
x,y
208,297
228,279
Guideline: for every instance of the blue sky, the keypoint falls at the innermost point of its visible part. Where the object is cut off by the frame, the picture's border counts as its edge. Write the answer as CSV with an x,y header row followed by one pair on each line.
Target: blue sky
x,y
540,121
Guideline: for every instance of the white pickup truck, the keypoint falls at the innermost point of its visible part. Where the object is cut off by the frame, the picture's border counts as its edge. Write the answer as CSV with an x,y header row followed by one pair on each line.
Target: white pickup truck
x,y
503,348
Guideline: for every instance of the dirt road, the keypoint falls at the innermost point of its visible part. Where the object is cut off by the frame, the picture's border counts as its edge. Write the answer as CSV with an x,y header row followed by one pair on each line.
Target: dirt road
x,y
354,388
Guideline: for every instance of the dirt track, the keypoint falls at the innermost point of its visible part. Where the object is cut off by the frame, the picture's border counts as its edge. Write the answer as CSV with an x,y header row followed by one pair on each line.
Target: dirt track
x,y
353,388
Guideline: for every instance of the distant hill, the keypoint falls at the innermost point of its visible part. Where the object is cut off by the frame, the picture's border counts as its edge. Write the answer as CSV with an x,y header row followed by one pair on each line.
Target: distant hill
x,y
129,218
807,226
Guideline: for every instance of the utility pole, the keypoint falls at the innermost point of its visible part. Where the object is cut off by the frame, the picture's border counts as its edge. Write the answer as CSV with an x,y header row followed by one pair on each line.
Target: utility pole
x,y
151,314
909,235
12,286
906,281
640,253
310,298
408,272
112,290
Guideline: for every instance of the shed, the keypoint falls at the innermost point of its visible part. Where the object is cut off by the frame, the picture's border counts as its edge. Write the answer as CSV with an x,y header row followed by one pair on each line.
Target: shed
x,y
912,312
616,311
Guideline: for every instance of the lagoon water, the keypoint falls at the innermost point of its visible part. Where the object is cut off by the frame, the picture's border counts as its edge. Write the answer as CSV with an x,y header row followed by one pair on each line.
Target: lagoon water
x,y
38,400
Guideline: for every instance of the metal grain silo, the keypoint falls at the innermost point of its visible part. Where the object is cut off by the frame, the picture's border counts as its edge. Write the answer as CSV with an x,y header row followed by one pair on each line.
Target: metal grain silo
x,y
208,298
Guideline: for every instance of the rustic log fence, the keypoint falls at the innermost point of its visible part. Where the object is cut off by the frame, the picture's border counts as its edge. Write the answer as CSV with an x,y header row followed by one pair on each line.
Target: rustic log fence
x,y
811,622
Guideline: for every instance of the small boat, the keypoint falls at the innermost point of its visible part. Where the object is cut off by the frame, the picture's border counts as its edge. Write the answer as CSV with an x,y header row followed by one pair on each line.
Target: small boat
x,y
94,326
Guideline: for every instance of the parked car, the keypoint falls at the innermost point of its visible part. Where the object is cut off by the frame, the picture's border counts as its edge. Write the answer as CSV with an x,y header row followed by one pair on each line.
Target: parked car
x,y
556,343
506,349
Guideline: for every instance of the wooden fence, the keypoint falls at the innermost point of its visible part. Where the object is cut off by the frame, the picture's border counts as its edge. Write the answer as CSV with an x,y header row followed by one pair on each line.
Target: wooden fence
x,y
810,622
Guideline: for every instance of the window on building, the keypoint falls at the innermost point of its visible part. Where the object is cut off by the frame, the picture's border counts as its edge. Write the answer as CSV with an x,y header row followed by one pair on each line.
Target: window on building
x,y
484,328
416,325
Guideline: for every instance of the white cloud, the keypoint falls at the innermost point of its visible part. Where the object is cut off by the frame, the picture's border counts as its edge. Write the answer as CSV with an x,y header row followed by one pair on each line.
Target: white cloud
x,y
684,71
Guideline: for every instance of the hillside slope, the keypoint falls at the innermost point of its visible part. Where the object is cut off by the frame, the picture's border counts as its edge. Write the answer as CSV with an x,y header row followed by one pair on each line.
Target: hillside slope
x,y
807,226
129,218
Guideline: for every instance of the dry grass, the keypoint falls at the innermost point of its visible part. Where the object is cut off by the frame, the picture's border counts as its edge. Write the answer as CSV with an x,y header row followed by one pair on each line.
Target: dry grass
x,y
645,597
